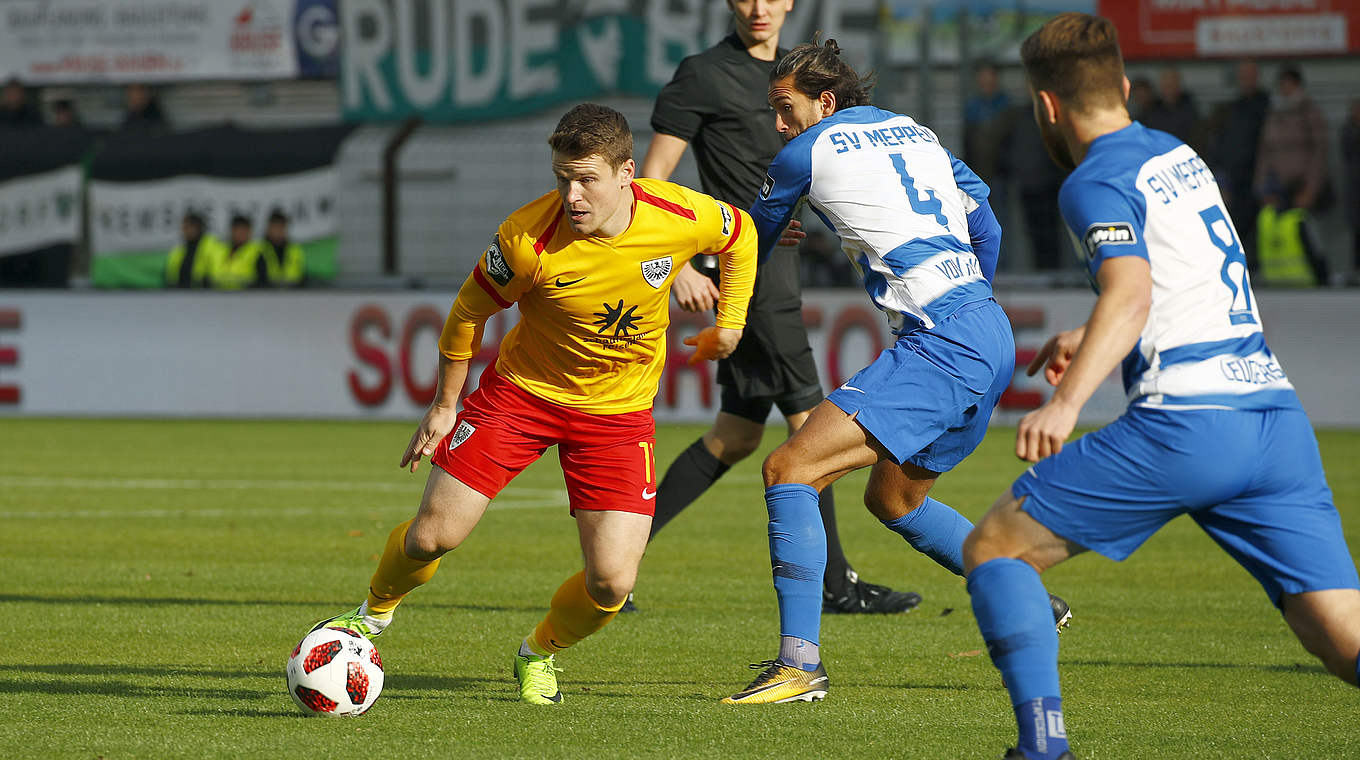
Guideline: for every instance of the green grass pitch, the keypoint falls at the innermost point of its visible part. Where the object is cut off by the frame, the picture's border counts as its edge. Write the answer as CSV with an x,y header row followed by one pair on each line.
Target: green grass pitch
x,y
154,577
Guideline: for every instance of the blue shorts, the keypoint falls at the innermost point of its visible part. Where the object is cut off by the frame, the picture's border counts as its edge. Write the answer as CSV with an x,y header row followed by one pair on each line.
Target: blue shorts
x,y
1253,481
929,397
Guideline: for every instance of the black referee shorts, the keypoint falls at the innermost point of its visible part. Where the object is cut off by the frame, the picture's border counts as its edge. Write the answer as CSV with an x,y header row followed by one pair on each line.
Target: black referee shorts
x,y
757,408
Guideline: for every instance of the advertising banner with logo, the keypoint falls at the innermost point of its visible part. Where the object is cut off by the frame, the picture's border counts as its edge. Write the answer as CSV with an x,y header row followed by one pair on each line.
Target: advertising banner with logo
x,y
78,41
373,355
1232,28
316,26
470,60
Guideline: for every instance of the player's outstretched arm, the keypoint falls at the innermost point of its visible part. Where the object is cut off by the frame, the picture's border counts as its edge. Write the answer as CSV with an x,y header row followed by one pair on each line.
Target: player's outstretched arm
x,y
1112,331
441,415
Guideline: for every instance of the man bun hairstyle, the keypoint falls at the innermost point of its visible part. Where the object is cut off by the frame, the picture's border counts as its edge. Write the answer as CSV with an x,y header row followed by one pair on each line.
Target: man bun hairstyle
x,y
819,68
1075,56
592,129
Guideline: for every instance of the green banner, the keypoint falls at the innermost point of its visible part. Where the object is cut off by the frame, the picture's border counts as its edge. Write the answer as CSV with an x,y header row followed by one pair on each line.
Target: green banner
x,y
146,269
470,60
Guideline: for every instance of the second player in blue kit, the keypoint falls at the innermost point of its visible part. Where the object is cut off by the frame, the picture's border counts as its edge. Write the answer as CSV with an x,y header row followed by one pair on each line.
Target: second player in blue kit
x,y
917,227
1213,428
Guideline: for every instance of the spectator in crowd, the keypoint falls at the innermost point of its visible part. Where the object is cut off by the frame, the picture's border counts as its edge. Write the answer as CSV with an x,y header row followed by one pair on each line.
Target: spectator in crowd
x,y
1350,148
17,108
1025,159
64,114
1234,133
987,119
238,266
1174,109
1141,97
1291,183
194,262
142,109
280,263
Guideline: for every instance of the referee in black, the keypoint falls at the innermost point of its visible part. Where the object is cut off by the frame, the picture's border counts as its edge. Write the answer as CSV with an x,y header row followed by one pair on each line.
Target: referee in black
x,y
717,102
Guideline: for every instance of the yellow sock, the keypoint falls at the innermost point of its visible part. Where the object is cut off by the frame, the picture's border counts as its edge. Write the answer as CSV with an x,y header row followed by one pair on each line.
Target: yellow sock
x,y
572,616
397,574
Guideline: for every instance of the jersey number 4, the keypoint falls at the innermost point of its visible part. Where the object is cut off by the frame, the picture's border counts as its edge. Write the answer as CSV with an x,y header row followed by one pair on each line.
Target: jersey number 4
x,y
931,205
1234,272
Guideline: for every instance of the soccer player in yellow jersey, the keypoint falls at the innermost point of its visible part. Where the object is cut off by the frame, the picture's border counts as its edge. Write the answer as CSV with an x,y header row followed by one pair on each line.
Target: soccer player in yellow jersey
x,y
590,266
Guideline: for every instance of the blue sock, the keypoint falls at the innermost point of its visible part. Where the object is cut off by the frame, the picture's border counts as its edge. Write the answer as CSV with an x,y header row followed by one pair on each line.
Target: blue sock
x,y
1013,613
1357,671
797,558
935,530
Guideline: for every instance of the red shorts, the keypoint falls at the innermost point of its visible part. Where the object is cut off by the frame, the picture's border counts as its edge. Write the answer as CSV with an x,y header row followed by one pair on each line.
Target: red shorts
x,y
608,460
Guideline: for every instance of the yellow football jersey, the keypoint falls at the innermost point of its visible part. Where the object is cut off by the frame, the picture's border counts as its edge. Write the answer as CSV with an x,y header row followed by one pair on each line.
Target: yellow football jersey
x,y
593,310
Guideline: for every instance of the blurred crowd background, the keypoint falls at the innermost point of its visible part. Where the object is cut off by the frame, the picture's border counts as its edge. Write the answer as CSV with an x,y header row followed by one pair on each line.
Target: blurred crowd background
x,y
349,155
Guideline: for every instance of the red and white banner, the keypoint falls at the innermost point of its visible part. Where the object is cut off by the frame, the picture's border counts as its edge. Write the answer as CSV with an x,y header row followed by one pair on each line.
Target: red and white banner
x,y
373,355
77,41
1233,28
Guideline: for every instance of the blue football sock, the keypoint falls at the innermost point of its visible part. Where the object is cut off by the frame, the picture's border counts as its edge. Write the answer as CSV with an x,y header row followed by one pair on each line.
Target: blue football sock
x,y
1013,613
935,530
1357,671
797,558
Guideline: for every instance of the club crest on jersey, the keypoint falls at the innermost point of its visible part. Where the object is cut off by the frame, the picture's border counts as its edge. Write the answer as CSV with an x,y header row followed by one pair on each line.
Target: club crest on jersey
x,y
463,432
496,265
656,271
1108,233
768,187
727,218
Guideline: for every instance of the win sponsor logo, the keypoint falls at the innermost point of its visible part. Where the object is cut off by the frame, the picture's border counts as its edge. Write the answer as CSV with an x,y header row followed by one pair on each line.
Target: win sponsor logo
x,y
1108,233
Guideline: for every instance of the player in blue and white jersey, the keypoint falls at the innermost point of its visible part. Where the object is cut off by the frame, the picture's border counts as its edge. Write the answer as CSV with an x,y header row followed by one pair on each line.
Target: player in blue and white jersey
x,y
1213,429
917,226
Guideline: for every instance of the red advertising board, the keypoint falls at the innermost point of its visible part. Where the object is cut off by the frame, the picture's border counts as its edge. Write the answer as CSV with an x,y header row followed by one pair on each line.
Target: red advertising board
x,y
1231,28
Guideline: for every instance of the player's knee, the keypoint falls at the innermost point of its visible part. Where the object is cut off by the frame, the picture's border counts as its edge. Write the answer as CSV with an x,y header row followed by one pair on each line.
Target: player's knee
x,y
609,589
425,545
979,548
778,467
889,505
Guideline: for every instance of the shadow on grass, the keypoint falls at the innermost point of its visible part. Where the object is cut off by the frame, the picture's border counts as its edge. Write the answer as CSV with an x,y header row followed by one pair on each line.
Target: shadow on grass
x,y
1297,667
163,601
246,712
117,688
97,669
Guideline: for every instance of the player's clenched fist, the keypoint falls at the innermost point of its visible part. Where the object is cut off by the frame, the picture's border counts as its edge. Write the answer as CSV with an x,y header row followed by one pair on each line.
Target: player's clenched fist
x,y
713,343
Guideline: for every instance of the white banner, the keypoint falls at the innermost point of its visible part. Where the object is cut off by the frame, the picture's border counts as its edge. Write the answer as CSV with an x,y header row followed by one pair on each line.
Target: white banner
x,y
79,41
145,215
373,355
39,210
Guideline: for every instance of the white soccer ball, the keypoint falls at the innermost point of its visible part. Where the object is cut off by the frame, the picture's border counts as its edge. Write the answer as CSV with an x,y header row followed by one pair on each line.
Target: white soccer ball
x,y
334,671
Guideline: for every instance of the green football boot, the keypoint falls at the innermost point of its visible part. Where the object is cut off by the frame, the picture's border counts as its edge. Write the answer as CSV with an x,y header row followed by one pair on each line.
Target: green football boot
x,y
537,678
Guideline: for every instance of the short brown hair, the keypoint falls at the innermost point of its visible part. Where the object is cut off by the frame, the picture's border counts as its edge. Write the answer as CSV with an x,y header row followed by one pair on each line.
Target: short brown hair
x,y
1076,57
593,129
818,68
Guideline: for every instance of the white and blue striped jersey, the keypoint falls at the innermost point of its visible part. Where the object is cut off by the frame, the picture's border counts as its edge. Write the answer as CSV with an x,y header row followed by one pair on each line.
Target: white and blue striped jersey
x,y
1141,192
913,219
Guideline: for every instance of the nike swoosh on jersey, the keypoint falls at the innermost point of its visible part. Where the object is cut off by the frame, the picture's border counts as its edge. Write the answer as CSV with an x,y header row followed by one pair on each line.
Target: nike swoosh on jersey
x,y
561,284
848,387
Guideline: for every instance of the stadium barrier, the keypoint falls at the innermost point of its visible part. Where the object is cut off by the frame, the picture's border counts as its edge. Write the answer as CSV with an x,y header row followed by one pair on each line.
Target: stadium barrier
x,y
372,354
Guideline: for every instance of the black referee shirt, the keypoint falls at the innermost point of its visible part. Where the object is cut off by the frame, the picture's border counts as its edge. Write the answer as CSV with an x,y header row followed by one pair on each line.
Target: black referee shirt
x,y
717,102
